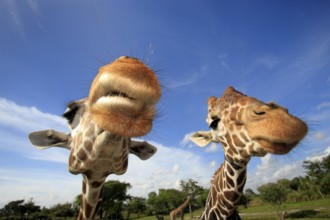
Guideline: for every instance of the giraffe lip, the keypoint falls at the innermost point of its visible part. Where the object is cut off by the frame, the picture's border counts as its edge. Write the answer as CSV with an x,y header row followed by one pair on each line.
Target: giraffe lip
x,y
119,94
275,147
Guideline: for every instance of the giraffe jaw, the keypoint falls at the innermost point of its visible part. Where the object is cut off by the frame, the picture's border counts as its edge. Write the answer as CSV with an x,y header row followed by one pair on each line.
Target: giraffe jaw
x,y
274,147
123,115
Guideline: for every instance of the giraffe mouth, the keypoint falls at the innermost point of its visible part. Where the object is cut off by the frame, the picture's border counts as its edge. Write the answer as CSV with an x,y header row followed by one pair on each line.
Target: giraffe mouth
x,y
274,147
119,94
115,98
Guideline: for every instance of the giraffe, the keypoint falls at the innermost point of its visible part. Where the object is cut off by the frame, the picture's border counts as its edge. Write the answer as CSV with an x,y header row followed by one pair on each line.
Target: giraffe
x,y
245,127
180,210
121,104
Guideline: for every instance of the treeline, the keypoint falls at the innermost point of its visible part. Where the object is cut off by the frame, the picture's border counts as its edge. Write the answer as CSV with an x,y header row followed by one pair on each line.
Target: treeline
x,y
118,204
21,209
315,185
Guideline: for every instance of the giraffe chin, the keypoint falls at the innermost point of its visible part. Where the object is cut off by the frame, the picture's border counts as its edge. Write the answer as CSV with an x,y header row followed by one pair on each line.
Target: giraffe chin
x,y
119,122
276,148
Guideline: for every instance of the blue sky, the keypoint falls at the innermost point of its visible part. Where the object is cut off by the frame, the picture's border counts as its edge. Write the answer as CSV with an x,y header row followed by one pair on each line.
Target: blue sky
x,y
51,50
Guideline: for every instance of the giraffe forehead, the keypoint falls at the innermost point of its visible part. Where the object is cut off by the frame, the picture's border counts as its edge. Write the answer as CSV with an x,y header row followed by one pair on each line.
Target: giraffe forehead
x,y
233,105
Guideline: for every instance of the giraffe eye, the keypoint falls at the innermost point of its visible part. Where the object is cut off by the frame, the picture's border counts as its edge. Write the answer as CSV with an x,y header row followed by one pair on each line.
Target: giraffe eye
x,y
214,123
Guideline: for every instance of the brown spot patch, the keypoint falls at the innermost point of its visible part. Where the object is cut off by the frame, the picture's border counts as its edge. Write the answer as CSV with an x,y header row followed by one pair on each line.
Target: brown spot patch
x,y
97,184
88,174
88,145
244,137
230,170
230,182
87,209
227,204
84,187
231,195
82,155
241,177
237,141
71,158
233,113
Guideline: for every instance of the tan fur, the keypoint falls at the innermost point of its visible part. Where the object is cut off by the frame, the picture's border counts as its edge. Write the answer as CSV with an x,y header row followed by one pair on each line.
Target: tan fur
x,y
121,104
246,127
124,124
130,114
269,124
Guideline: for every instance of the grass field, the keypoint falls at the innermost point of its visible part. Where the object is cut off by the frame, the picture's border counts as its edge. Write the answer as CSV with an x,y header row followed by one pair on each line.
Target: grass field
x,y
318,209
311,210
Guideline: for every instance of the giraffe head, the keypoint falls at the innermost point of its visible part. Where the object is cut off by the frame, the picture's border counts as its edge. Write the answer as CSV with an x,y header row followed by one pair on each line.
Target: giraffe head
x,y
123,97
248,127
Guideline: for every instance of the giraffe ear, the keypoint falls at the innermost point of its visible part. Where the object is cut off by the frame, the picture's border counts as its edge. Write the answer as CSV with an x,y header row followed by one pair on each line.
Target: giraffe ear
x,y
49,138
143,150
201,138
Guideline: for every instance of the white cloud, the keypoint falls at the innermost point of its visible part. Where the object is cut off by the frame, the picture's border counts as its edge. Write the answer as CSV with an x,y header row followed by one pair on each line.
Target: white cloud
x,y
184,82
45,187
286,170
186,140
213,164
213,147
223,63
164,170
57,155
323,105
319,135
319,116
266,162
318,157
271,169
268,61
22,120
17,17
176,168
27,119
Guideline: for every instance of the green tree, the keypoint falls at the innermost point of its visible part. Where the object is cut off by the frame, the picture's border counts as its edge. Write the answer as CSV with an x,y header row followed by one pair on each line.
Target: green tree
x,y
30,207
14,208
76,204
325,184
295,183
201,199
248,196
274,194
136,205
151,203
166,200
114,194
191,189
318,173
62,210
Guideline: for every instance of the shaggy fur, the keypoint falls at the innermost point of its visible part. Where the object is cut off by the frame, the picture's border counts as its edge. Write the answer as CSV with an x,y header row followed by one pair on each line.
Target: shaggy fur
x,y
124,93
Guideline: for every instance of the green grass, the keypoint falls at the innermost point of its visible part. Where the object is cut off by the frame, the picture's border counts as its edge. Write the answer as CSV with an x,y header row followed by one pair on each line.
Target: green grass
x,y
310,210
318,209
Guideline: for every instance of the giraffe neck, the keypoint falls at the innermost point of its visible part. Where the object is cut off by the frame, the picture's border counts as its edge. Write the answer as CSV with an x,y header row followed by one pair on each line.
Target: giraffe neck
x,y
179,211
95,153
90,197
226,190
